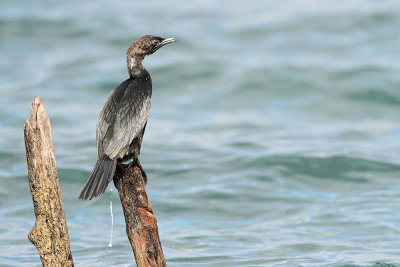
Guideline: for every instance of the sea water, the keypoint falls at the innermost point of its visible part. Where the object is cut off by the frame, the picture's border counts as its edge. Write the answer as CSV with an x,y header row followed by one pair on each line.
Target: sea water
x,y
273,138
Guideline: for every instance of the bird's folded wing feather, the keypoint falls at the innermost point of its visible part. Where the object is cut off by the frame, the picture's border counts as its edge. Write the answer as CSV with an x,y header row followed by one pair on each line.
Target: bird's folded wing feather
x,y
122,118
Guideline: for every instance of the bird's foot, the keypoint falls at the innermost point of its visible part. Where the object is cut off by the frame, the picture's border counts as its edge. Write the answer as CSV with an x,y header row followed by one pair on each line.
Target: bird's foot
x,y
135,162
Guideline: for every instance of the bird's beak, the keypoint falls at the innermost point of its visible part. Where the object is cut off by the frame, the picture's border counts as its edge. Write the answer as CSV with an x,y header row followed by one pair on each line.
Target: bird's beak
x,y
164,42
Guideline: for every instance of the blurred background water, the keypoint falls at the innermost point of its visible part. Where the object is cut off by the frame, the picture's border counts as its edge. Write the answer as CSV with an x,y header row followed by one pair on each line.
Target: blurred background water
x,y
273,138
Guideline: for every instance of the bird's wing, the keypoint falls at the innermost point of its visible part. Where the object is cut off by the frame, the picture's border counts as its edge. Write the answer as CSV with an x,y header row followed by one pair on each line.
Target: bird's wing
x,y
122,117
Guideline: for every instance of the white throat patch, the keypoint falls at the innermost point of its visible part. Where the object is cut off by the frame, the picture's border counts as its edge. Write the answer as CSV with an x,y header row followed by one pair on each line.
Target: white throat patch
x,y
134,66
132,62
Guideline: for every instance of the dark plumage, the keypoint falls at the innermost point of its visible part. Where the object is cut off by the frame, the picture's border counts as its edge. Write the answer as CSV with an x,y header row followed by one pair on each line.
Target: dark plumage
x,y
123,117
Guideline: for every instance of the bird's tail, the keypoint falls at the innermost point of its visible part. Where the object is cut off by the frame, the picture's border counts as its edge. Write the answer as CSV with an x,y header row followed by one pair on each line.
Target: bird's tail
x,y
101,176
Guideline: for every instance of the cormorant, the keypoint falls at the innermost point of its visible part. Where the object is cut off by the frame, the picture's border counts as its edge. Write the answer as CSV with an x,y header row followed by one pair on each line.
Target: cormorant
x,y
123,117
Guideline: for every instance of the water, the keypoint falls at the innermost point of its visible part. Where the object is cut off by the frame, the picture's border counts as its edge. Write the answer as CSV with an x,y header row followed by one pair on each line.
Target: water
x,y
273,138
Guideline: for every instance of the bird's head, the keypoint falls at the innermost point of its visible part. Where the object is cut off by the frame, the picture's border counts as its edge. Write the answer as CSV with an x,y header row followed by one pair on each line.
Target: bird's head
x,y
144,46
147,45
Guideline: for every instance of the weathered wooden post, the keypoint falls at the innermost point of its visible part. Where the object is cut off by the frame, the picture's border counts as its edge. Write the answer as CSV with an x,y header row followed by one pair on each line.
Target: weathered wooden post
x,y
141,225
50,233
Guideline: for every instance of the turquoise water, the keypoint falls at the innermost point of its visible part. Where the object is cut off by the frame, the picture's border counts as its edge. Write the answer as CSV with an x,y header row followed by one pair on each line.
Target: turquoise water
x,y
273,139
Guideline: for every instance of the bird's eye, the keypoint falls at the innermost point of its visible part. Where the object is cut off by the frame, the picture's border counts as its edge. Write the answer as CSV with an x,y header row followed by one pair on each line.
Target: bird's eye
x,y
155,42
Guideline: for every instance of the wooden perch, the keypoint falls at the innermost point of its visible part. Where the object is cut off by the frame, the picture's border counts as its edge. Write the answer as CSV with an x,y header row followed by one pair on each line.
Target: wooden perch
x,y
141,225
50,233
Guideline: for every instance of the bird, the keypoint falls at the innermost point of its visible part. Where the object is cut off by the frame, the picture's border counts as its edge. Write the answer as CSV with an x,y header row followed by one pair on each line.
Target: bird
x,y
123,118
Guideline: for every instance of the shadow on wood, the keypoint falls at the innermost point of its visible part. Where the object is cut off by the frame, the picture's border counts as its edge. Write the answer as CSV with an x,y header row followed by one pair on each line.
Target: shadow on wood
x,y
141,225
50,233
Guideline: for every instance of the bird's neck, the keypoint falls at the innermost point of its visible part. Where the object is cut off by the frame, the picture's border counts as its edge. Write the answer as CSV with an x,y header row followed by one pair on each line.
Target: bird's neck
x,y
135,66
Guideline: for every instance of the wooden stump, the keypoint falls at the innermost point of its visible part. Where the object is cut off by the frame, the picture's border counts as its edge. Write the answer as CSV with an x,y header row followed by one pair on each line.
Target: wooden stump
x,y
141,225
50,233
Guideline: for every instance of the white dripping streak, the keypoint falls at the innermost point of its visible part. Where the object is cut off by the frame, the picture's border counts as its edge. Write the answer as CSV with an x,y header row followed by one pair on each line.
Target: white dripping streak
x,y
112,222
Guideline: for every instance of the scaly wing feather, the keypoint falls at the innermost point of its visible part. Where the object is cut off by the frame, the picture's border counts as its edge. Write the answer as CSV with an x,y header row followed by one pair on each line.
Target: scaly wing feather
x,y
123,116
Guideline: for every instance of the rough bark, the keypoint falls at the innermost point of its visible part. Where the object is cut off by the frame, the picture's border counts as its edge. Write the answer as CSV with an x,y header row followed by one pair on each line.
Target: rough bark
x,y
50,233
141,225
